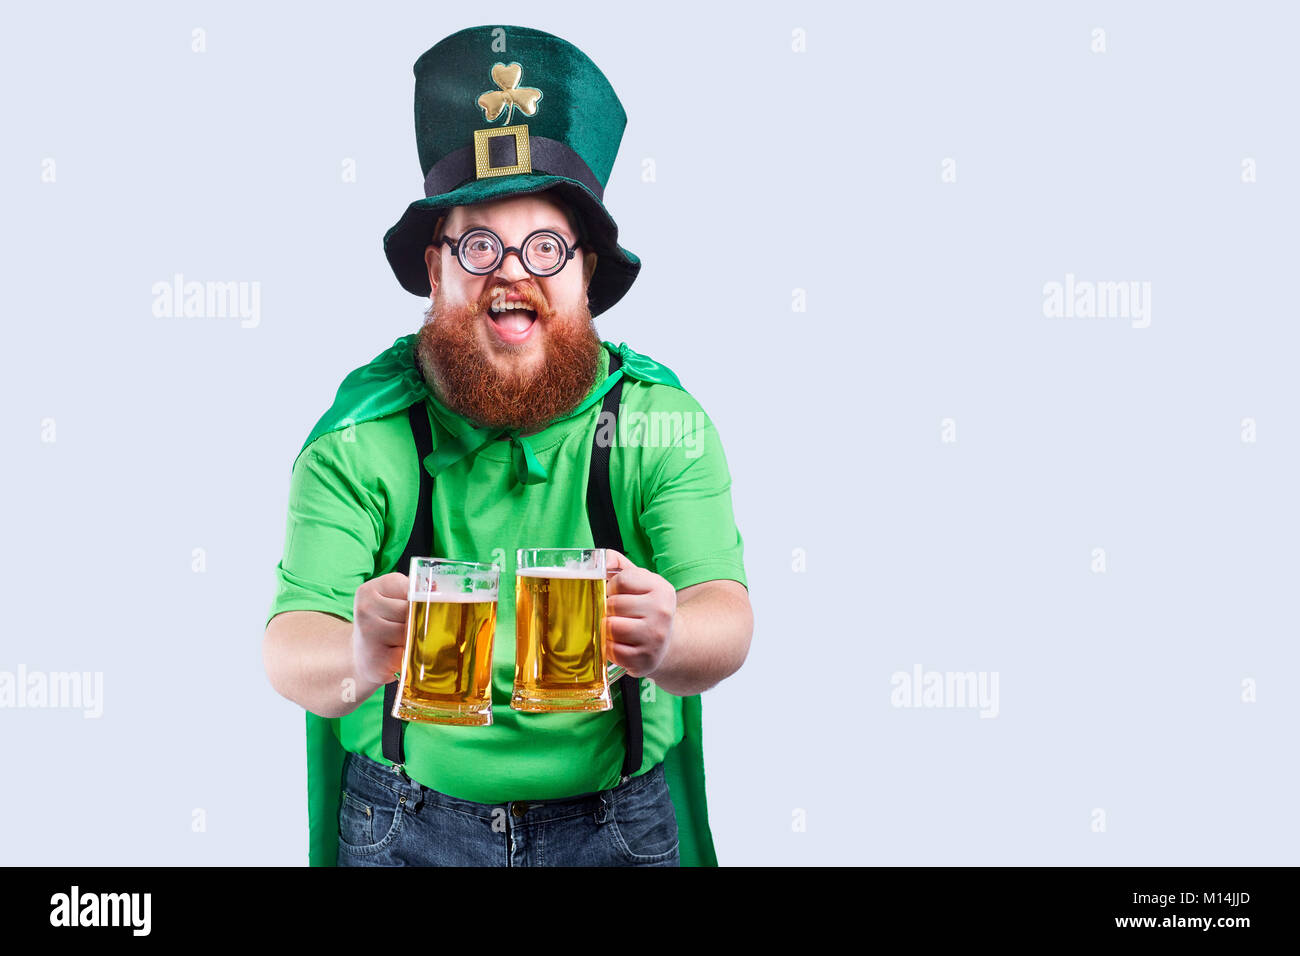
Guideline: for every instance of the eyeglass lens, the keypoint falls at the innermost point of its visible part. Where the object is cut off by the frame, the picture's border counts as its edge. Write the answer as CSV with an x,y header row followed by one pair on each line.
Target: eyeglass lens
x,y
543,253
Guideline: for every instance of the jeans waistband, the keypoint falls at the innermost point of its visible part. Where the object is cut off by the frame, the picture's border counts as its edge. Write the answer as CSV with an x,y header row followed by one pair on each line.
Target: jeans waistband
x,y
385,776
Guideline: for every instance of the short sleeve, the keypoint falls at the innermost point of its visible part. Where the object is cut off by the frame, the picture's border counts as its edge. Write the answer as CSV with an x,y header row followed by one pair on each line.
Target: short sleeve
x,y
333,535
687,515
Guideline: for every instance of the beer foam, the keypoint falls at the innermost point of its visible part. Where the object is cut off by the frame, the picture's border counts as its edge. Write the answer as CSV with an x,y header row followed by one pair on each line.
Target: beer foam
x,y
450,588
583,573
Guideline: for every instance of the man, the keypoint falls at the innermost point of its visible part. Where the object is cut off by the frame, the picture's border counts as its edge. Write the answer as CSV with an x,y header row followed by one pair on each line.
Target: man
x,y
508,382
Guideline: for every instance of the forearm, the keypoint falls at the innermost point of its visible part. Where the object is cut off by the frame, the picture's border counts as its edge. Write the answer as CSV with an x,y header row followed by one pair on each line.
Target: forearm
x,y
710,638
308,659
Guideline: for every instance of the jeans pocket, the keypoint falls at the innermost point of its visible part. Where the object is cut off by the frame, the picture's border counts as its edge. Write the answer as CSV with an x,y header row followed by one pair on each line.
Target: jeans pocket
x,y
370,816
643,823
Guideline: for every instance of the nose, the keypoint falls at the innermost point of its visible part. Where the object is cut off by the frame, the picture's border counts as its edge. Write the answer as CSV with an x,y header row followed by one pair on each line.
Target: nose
x,y
512,267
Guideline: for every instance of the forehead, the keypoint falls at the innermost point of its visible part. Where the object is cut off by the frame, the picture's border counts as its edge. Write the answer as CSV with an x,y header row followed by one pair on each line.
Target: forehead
x,y
517,212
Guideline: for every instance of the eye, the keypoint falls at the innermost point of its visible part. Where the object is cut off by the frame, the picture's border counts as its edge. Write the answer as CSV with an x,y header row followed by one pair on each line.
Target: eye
x,y
479,249
545,252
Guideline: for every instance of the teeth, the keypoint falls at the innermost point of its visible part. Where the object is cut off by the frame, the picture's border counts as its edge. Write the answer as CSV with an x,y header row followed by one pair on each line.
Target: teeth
x,y
507,306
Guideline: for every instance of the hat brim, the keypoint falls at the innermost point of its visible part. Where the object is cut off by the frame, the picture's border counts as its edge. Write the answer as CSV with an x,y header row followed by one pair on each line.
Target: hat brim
x,y
616,268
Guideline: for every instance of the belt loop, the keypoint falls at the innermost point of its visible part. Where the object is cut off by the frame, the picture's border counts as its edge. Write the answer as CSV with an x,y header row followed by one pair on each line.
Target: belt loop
x,y
416,799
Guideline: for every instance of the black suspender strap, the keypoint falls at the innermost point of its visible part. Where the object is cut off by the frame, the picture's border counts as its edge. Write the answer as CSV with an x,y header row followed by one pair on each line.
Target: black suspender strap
x,y
420,545
605,533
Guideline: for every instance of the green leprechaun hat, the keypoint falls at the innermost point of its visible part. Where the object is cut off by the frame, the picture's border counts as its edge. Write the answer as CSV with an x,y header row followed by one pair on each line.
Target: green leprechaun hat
x,y
505,111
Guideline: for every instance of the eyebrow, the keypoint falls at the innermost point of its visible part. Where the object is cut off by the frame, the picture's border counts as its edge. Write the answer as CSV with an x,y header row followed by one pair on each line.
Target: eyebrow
x,y
562,231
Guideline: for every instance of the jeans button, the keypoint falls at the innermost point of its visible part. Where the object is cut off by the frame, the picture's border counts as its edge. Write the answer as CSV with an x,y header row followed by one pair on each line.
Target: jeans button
x,y
519,808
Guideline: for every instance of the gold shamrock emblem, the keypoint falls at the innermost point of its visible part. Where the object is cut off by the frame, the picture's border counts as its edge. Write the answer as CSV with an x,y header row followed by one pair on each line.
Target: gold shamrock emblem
x,y
510,93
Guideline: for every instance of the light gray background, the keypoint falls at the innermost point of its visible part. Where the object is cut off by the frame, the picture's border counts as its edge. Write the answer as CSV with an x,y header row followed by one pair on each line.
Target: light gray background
x,y
775,171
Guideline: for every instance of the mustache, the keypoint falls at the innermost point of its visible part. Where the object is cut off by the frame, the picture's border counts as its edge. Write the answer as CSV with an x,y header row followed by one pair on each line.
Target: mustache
x,y
526,291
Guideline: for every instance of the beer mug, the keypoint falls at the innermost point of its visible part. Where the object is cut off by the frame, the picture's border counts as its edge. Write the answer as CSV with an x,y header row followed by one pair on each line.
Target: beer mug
x,y
561,655
447,668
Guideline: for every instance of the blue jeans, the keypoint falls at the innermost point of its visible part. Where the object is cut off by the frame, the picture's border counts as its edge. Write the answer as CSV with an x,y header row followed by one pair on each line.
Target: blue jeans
x,y
388,819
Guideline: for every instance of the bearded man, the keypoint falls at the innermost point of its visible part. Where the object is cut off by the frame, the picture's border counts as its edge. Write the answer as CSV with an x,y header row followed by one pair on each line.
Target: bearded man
x,y
500,426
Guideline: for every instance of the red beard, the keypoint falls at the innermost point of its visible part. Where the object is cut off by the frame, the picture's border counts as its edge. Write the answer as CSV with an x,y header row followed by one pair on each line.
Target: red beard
x,y
466,380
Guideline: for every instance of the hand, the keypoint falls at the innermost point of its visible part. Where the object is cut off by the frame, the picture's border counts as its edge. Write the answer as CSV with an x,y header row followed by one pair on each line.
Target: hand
x,y
640,608
379,627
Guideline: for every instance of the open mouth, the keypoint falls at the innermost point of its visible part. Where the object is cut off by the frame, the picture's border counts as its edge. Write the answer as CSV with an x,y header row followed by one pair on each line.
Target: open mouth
x,y
511,323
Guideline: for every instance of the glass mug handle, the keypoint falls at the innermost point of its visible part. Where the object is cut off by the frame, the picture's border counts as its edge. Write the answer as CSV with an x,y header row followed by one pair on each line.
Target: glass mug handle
x,y
614,671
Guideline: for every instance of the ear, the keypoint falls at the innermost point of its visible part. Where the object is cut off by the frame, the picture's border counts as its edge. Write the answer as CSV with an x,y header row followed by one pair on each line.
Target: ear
x,y
433,256
588,266
433,262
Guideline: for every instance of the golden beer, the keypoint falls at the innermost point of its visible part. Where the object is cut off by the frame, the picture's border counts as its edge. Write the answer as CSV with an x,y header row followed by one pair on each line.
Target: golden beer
x,y
560,661
447,668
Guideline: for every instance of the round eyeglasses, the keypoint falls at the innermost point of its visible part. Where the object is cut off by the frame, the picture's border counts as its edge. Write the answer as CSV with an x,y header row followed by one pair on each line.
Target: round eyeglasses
x,y
481,251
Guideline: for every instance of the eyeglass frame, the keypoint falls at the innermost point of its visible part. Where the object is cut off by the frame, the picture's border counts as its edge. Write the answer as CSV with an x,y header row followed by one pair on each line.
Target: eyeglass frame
x,y
569,251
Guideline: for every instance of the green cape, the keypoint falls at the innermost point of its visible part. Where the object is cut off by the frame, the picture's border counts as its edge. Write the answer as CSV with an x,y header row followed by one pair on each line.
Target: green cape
x,y
391,383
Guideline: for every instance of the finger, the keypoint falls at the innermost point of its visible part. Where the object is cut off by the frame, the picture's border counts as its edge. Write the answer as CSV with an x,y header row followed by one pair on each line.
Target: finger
x,y
392,610
626,631
633,659
394,584
631,580
389,597
627,605
616,561
392,634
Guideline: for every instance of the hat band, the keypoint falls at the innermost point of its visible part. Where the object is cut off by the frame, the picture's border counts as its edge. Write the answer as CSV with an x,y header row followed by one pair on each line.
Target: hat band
x,y
548,156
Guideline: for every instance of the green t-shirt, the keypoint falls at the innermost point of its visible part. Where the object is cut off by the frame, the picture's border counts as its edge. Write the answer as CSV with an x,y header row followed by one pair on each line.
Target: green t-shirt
x,y
352,502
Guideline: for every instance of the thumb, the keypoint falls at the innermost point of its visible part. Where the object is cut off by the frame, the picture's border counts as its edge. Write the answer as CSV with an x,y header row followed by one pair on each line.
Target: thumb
x,y
394,584
615,562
